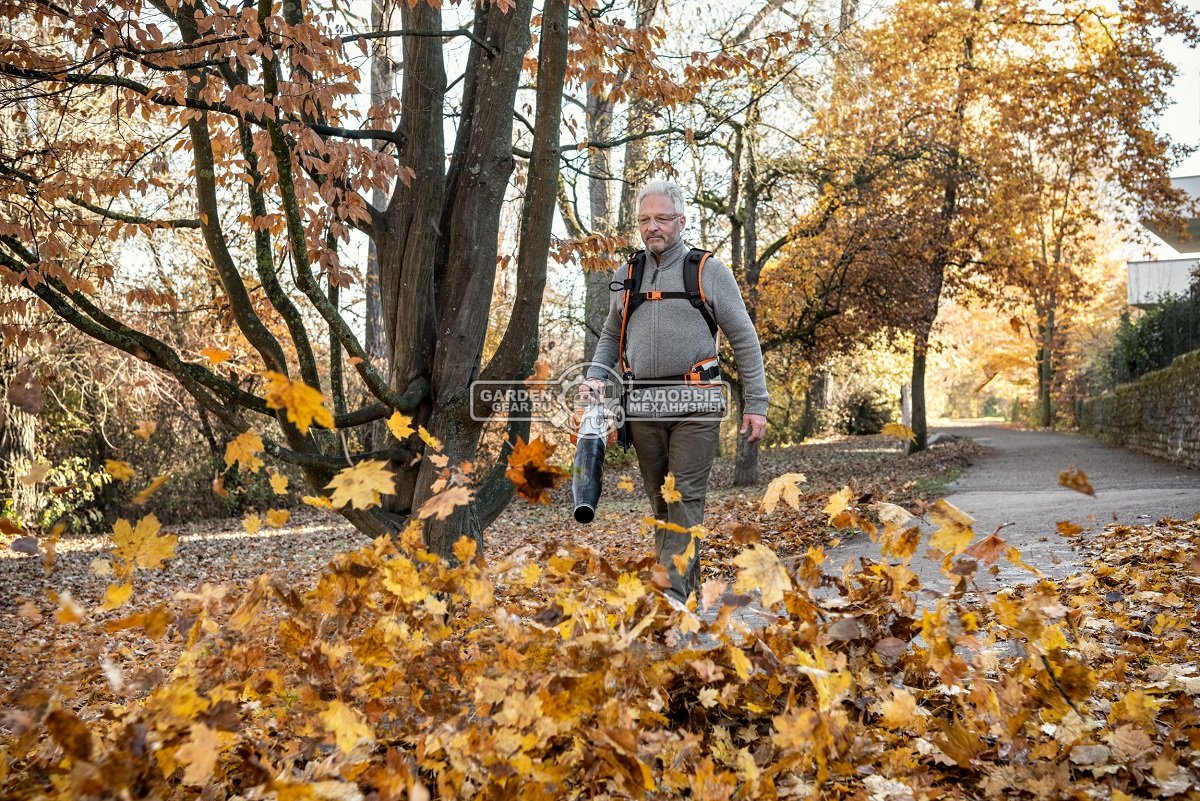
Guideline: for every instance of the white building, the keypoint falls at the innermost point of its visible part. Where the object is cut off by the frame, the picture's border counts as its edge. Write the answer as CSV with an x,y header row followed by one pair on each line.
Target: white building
x,y
1149,281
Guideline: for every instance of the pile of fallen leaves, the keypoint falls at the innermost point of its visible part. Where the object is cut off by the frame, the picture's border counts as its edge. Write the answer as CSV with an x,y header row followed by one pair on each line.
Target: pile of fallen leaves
x,y
569,675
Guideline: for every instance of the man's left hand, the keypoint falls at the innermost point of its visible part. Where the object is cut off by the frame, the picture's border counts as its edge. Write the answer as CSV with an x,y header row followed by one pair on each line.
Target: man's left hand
x,y
756,424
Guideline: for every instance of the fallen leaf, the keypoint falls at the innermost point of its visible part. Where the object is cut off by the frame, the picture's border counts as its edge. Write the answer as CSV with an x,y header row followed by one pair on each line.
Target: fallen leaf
x,y
838,502
1068,529
145,428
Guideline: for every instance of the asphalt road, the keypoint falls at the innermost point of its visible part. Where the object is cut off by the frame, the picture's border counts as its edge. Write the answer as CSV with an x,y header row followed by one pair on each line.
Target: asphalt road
x,y
1014,484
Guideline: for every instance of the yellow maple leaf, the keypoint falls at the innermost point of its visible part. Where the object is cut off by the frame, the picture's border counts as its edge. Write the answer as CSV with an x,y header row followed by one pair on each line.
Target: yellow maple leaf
x,y
115,595
759,569
142,546
362,485
244,449
400,425
305,405
954,532
199,754
669,493
317,501
277,518
625,484
444,503
252,524
348,726
279,483
215,355
900,711
145,428
899,431
150,489
838,502
429,439
120,471
785,487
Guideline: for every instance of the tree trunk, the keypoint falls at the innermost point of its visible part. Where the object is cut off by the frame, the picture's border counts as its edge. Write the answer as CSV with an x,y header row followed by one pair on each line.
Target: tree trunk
x,y
18,443
1046,367
919,425
596,292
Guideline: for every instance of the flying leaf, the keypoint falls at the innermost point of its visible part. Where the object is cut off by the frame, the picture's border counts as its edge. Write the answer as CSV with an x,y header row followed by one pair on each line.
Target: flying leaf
x,y
1075,479
838,502
400,425
1068,529
252,524
625,484
317,501
279,483
899,431
143,546
785,487
145,428
199,754
120,471
669,493
429,439
26,545
760,569
348,726
243,450
892,515
530,472
150,489
25,392
35,474
444,503
305,405
362,485
69,611
218,486
215,355
277,518
988,549
115,595
954,532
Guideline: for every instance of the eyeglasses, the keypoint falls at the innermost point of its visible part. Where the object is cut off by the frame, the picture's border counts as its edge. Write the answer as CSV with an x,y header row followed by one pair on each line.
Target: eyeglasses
x,y
661,219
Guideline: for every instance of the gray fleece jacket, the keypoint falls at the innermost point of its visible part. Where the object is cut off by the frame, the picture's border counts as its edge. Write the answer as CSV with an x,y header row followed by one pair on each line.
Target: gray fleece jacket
x,y
666,337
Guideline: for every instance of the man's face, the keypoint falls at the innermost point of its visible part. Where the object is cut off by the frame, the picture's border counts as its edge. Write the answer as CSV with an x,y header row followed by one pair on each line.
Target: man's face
x,y
658,223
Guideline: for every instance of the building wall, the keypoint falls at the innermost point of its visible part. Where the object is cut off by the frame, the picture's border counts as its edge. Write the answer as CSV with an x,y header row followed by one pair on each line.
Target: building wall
x,y
1151,281
1158,414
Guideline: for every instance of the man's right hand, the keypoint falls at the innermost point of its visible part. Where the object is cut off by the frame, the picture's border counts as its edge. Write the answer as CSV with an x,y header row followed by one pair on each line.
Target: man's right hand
x,y
591,390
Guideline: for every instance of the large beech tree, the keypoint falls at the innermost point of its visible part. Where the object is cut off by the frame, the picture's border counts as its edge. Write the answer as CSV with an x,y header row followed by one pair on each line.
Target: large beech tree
x,y
233,122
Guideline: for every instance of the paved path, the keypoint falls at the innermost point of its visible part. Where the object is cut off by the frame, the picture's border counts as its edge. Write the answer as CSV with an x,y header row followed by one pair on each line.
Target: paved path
x,y
1015,482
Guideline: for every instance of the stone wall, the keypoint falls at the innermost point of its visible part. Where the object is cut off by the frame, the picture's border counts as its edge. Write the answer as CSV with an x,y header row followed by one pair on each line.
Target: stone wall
x,y
1158,414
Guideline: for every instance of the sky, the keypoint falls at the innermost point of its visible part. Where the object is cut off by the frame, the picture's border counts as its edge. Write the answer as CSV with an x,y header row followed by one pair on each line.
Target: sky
x,y
1182,119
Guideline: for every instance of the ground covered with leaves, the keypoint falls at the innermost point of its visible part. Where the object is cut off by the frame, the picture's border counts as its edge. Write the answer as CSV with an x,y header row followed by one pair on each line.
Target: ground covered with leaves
x,y
561,671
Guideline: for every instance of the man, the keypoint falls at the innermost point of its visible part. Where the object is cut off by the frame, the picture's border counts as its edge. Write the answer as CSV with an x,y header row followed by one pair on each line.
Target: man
x,y
664,341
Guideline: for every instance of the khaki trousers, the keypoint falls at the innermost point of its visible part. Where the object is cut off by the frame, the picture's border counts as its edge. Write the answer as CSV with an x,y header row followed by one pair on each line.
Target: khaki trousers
x,y
684,448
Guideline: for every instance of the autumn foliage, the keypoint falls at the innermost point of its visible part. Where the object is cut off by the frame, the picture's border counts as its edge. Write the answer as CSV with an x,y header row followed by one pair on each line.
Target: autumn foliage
x,y
398,676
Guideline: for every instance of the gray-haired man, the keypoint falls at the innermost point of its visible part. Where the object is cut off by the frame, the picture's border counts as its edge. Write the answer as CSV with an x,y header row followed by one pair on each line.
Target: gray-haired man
x,y
663,344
